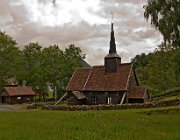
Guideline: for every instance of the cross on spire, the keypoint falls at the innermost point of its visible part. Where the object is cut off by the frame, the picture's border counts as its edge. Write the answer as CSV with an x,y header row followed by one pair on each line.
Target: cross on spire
x,y
112,60
112,17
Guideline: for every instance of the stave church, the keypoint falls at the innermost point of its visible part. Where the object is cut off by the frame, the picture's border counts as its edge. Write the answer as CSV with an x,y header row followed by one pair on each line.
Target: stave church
x,y
112,83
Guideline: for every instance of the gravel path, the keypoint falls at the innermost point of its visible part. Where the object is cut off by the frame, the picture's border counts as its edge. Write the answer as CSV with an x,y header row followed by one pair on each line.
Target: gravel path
x,y
9,107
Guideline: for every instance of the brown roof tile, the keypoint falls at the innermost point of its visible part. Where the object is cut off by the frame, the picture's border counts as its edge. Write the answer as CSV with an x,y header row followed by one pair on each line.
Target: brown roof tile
x,y
137,92
78,79
19,91
95,79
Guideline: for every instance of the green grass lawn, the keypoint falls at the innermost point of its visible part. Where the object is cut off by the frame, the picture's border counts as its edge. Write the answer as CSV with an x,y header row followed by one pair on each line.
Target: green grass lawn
x,y
133,124
168,98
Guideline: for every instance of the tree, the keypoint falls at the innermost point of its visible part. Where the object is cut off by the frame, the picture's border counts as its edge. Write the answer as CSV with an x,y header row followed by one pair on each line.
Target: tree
x,y
164,16
9,57
32,65
59,66
166,66
140,63
73,60
159,70
37,67
53,67
177,65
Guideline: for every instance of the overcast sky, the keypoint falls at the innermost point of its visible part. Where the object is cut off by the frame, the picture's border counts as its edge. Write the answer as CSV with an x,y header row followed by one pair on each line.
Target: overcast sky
x,y
85,23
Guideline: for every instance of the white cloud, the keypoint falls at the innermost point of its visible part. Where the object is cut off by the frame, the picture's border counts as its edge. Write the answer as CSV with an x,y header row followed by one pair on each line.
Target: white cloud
x,y
85,23
63,12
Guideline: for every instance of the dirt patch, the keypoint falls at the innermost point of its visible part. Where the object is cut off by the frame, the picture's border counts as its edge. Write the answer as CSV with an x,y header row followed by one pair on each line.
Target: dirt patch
x,y
10,107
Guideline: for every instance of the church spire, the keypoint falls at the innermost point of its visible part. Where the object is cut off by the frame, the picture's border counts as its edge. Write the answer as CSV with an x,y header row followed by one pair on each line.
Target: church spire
x,y
112,41
112,60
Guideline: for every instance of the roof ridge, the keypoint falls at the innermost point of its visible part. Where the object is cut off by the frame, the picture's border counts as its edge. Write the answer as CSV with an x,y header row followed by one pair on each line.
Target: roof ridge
x,y
119,65
126,63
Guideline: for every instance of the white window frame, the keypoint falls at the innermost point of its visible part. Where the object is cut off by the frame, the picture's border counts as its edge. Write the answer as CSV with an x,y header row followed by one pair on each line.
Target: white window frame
x,y
19,98
109,100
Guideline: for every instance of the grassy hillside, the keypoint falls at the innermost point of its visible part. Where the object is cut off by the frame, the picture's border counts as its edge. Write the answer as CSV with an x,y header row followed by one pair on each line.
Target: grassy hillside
x,y
159,71
136,124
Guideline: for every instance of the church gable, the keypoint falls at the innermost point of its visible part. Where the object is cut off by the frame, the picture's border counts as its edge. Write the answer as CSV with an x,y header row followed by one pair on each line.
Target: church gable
x,y
132,79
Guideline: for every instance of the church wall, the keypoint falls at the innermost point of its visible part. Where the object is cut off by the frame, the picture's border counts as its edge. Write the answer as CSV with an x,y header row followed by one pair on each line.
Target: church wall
x,y
110,65
94,97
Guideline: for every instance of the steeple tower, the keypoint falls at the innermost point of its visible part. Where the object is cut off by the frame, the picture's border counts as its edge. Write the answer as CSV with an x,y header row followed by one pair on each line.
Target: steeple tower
x,y
112,41
112,60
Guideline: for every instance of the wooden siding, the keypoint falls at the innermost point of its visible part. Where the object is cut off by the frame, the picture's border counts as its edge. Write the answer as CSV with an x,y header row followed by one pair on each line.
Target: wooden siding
x,y
135,100
16,100
101,97
111,64
72,100
13,95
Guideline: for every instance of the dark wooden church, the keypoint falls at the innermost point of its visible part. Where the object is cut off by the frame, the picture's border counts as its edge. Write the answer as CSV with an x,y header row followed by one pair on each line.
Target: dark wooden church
x,y
112,83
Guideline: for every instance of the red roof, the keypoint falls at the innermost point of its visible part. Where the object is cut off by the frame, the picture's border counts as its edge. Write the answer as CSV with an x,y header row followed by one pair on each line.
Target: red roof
x,y
95,79
19,91
138,92
79,79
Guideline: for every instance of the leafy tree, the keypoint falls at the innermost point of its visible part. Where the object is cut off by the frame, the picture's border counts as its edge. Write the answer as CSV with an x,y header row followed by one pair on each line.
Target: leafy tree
x,y
164,16
37,67
32,70
158,70
166,76
73,60
177,65
53,67
32,66
140,62
9,57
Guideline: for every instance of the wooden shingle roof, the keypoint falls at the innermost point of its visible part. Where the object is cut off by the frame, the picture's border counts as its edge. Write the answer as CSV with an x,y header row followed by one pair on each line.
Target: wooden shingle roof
x,y
78,79
138,92
95,79
19,91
